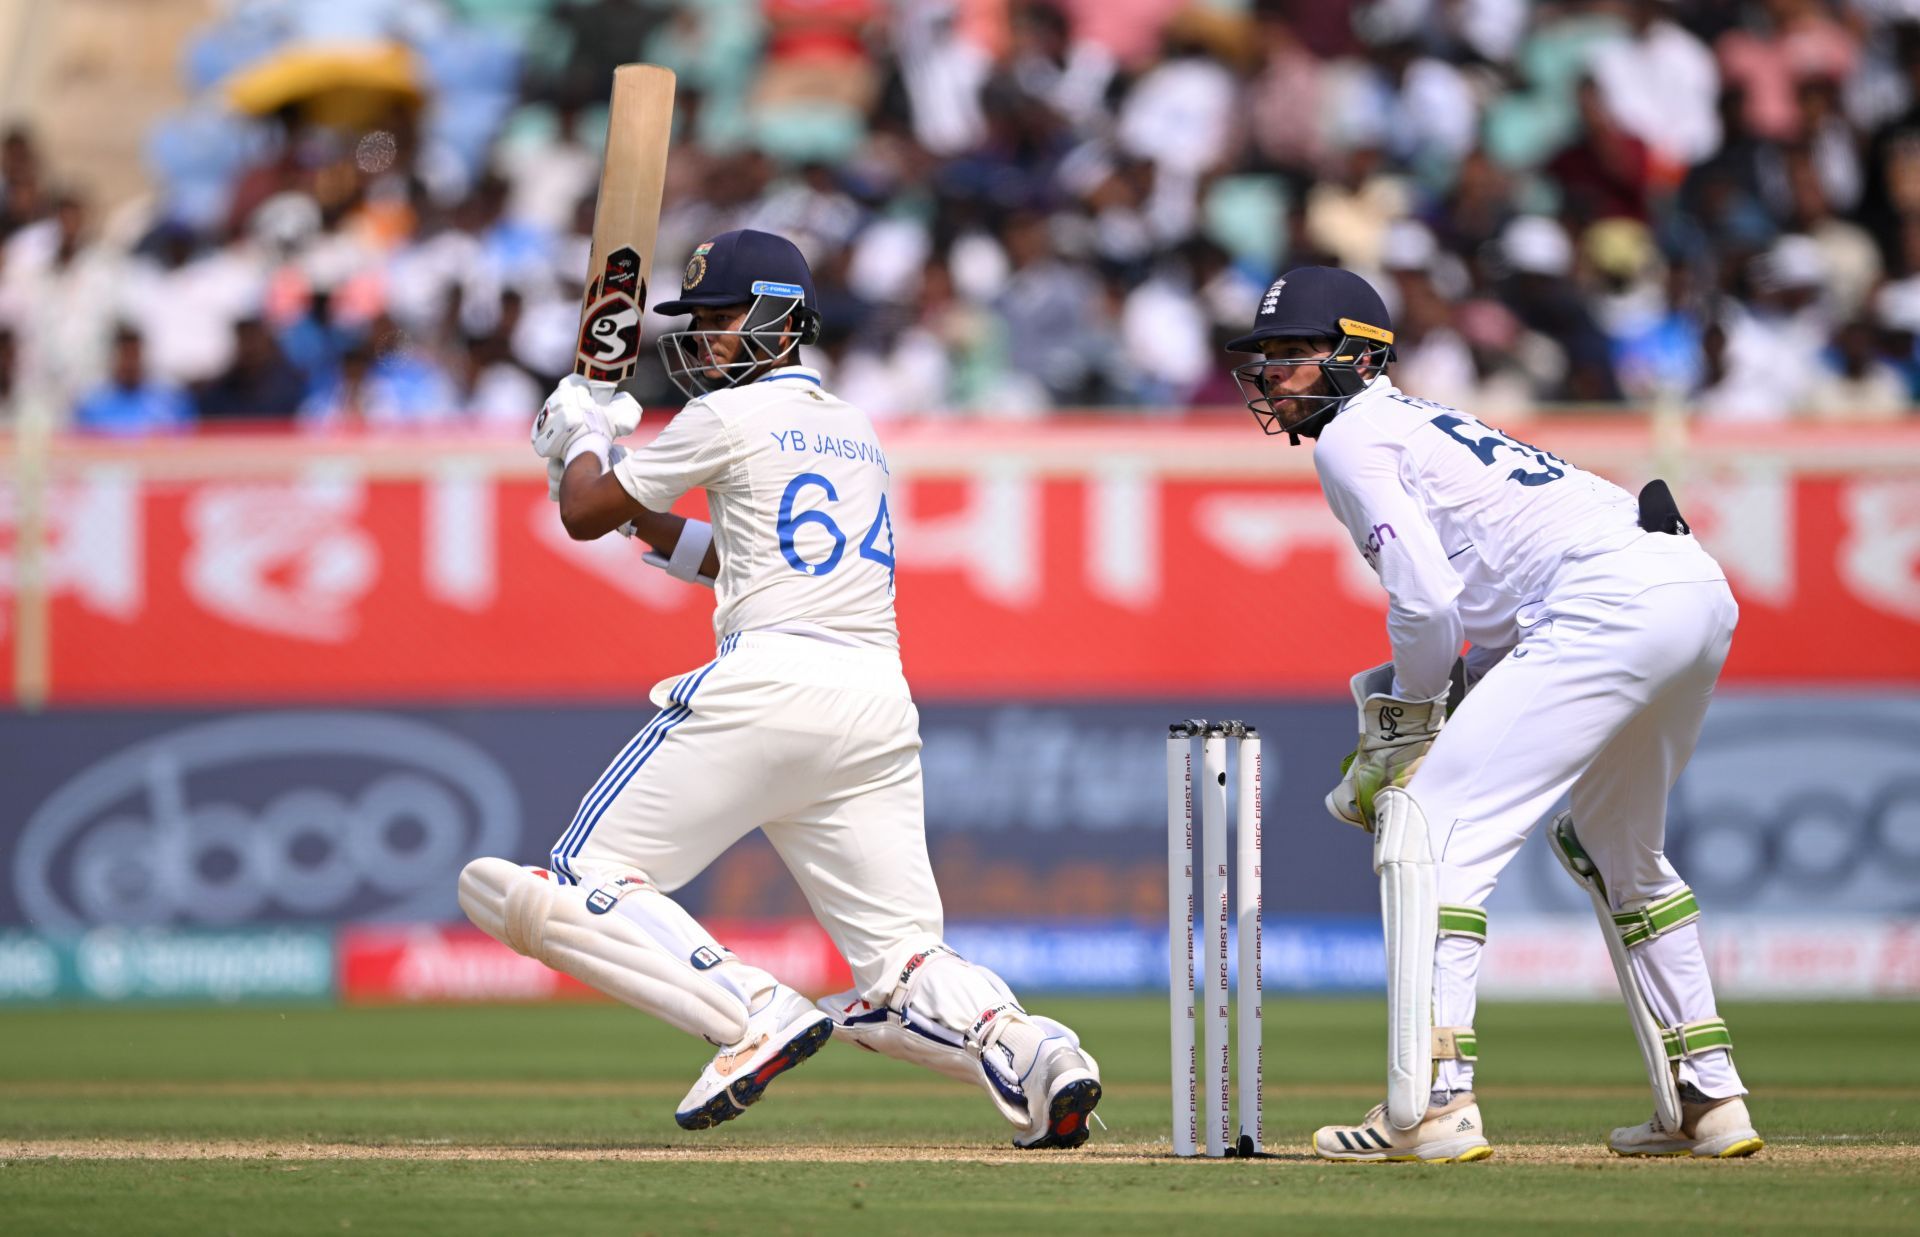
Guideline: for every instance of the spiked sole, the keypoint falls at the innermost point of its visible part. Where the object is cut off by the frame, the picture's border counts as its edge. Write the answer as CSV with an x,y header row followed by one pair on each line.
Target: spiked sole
x,y
738,1096
1469,1156
1733,1151
1067,1125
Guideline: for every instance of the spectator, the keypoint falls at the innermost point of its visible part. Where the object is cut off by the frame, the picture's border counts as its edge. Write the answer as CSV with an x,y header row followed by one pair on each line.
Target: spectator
x,y
1771,342
9,375
1656,339
1427,108
1349,210
1786,43
260,383
1286,101
1848,255
60,289
1659,82
1733,390
1012,205
1830,142
1855,384
22,183
384,381
1540,291
1048,64
1181,116
1164,336
1890,190
491,387
185,303
1055,314
1605,172
1896,312
130,402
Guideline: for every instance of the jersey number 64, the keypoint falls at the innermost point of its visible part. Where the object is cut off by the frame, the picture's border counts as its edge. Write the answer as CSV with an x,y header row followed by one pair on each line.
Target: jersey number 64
x,y
789,524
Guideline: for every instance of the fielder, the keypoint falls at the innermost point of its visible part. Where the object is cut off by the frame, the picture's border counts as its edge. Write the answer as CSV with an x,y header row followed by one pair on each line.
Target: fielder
x,y
1597,627
802,725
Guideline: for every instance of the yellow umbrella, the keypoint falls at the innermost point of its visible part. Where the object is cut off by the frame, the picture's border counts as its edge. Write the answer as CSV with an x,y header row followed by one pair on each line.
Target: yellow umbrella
x,y
348,85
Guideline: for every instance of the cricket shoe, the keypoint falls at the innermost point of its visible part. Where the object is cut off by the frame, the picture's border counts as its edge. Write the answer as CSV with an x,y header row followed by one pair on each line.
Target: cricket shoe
x,y
1043,1081
1709,1130
785,1031
1450,1134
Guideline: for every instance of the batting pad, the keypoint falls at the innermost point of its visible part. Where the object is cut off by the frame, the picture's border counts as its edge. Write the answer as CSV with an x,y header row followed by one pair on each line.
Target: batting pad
x,y
937,1024
1410,915
553,923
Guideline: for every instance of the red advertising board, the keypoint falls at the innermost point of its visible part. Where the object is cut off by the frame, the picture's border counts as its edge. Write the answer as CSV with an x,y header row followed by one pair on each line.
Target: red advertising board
x,y
1050,561
409,963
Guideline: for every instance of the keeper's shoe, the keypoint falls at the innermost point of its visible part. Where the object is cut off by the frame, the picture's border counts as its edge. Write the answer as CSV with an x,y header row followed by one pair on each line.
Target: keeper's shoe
x,y
785,1031
1058,1089
1709,1130
1451,1134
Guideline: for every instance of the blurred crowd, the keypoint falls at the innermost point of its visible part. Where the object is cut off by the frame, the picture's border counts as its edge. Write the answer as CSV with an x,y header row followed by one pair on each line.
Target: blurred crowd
x,y
378,211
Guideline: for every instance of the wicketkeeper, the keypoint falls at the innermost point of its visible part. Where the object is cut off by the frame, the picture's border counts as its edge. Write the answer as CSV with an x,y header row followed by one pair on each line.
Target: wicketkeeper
x,y
1597,626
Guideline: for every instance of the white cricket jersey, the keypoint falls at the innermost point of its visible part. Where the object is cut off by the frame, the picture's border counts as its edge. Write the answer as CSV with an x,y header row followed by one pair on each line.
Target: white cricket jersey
x,y
1466,526
796,488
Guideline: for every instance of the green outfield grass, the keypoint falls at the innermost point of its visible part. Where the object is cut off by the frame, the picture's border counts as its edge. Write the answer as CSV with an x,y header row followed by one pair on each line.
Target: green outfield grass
x,y
560,1119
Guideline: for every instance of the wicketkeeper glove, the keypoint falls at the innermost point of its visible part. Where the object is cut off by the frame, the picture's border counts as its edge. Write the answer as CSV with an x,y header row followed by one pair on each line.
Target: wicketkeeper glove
x,y
1395,734
582,416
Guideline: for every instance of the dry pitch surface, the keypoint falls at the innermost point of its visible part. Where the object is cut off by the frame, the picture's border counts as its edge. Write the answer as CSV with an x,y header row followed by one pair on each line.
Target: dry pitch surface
x,y
1898,1157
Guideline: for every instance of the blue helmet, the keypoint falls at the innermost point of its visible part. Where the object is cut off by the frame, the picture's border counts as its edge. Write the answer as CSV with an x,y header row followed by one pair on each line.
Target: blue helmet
x,y
1316,302
764,272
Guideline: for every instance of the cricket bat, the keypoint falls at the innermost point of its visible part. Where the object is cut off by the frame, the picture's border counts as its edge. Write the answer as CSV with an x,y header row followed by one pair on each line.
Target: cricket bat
x,y
625,219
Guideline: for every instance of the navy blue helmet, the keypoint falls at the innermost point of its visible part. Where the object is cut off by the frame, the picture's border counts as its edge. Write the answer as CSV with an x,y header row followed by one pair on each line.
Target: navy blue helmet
x,y
1315,303
764,272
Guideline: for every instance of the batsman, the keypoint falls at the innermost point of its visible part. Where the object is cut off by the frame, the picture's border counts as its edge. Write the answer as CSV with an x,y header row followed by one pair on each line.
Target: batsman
x,y
1595,628
802,726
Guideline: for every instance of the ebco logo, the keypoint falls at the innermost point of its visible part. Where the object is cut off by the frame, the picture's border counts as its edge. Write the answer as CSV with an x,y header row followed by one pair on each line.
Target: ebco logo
x,y
305,816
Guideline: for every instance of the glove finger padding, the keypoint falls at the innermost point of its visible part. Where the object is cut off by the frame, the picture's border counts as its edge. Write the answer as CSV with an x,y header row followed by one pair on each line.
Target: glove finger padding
x,y
577,408
622,412
1343,801
619,413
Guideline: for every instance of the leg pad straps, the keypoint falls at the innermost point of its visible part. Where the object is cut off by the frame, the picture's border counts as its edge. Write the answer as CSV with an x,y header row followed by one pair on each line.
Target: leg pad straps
x,y
1694,1038
1455,1044
1643,924
1468,921
1459,1043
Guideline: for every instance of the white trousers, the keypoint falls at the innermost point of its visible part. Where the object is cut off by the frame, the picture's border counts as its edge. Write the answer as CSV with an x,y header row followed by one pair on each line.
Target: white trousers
x,y
1603,699
817,744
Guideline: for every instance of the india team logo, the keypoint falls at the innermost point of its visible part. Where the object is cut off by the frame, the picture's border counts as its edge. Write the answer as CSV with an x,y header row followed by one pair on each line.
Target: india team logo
x,y
696,268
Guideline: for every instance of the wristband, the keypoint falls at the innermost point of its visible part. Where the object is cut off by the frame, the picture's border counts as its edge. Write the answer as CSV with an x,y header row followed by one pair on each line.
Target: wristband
x,y
690,551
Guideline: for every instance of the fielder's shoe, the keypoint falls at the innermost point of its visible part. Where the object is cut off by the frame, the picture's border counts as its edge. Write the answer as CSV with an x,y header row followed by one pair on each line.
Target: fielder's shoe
x,y
1709,1130
1450,1134
1055,1080
785,1031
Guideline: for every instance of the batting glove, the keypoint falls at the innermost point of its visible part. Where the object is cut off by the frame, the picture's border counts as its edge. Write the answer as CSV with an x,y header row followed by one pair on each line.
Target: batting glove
x,y
579,410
